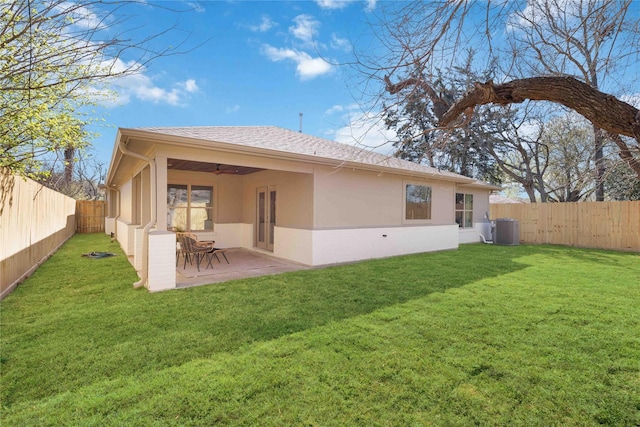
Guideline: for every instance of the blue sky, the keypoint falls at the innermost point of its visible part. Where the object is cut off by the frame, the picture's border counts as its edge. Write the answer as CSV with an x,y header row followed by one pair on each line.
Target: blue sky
x,y
252,63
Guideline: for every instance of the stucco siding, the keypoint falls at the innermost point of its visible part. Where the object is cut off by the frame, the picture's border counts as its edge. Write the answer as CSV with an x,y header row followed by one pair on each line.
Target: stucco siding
x,y
349,198
237,235
443,198
126,212
294,197
229,199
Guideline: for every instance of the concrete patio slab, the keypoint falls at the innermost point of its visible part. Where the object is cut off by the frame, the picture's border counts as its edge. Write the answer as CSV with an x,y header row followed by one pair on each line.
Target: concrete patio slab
x,y
243,264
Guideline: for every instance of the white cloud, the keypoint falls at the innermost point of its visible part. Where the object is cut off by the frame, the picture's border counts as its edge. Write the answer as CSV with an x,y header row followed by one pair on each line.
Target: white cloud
x,y
341,108
265,25
80,16
334,109
339,43
190,86
341,4
364,129
196,6
307,67
233,108
306,28
140,86
333,4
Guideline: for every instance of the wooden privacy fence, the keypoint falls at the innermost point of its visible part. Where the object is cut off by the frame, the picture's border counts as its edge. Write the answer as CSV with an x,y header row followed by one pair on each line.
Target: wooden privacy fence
x,y
90,216
605,225
34,222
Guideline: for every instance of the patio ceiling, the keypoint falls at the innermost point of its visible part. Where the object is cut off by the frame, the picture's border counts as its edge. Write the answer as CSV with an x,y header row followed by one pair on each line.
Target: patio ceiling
x,y
216,168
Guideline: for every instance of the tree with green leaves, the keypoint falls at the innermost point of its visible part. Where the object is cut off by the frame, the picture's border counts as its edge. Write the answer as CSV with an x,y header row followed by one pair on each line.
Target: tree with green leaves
x,y
56,60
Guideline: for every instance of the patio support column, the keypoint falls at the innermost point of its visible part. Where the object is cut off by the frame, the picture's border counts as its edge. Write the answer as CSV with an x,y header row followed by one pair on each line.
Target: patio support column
x,y
161,189
162,261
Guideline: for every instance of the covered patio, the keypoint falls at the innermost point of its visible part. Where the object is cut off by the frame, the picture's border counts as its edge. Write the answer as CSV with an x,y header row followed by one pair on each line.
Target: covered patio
x,y
243,263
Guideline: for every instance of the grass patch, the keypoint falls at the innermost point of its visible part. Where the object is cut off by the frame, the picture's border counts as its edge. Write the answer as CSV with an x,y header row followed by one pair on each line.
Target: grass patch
x,y
486,335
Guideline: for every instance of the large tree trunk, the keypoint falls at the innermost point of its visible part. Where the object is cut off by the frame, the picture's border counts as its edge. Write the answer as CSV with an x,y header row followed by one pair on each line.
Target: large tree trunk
x,y
599,140
603,110
69,155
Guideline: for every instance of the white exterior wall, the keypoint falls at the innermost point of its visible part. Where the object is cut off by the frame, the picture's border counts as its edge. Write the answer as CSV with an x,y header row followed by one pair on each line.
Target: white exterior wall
x,y
162,261
238,235
321,247
109,225
294,244
469,235
126,210
126,236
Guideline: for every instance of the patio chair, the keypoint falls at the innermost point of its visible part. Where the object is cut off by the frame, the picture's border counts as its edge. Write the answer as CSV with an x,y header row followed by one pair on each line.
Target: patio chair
x,y
179,250
194,249
220,251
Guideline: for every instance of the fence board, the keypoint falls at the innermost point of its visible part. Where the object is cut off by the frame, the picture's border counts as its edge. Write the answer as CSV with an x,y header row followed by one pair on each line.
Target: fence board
x,y
90,216
605,225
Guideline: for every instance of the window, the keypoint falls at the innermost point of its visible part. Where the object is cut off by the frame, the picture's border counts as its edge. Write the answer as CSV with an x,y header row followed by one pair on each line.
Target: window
x,y
464,210
418,202
190,207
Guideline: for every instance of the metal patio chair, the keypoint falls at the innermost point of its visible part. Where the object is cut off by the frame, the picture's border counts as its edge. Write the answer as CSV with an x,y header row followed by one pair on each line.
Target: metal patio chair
x,y
194,249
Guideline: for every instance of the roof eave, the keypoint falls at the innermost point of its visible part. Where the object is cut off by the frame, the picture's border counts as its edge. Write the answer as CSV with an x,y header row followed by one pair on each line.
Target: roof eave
x,y
186,141
116,156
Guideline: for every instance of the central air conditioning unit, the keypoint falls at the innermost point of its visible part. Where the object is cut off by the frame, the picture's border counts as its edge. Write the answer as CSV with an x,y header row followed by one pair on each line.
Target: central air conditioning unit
x,y
507,232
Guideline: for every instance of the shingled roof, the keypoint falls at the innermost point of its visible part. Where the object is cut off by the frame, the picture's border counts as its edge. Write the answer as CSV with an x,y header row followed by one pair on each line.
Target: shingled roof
x,y
278,139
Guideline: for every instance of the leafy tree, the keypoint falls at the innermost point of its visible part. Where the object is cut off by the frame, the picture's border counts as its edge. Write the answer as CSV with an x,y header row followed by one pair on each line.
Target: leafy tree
x,y
460,150
56,58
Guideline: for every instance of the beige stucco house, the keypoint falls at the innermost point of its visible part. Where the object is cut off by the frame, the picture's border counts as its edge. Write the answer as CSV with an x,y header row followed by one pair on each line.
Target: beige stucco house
x,y
296,196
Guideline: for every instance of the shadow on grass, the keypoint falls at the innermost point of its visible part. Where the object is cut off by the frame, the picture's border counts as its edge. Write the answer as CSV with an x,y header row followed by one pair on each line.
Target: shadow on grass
x,y
78,320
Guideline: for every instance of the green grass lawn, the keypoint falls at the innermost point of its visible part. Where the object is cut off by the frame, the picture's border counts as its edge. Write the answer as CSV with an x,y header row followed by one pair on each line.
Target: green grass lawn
x,y
485,335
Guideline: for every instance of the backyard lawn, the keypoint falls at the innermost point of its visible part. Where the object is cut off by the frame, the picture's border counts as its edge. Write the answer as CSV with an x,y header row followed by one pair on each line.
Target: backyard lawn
x,y
485,335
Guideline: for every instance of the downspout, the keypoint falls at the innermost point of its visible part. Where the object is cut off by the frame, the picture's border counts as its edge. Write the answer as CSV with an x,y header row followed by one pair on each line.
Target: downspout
x,y
115,220
144,274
